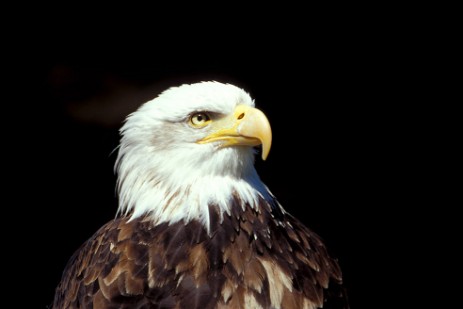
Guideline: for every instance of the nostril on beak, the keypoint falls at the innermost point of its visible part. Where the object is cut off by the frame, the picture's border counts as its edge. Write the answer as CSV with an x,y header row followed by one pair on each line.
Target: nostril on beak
x,y
241,116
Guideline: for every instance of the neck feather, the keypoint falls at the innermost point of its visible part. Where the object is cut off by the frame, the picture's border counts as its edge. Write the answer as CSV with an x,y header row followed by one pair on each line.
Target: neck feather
x,y
182,191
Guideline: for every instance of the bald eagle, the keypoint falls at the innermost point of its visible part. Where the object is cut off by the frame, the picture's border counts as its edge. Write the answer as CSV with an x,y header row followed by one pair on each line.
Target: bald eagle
x,y
196,227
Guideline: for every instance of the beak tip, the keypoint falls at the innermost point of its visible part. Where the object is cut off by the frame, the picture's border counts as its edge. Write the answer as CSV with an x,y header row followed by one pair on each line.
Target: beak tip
x,y
265,153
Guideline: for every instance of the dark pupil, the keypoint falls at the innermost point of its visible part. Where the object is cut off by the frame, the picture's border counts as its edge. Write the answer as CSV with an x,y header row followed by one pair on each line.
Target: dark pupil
x,y
200,117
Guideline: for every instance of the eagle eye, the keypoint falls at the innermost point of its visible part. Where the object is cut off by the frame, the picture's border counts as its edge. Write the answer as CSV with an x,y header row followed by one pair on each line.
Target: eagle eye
x,y
199,120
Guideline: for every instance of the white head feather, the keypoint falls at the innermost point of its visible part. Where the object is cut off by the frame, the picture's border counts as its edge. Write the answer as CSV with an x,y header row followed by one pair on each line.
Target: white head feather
x,y
165,173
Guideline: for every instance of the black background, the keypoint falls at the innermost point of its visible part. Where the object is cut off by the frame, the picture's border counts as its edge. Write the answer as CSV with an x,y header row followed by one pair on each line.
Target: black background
x,y
331,88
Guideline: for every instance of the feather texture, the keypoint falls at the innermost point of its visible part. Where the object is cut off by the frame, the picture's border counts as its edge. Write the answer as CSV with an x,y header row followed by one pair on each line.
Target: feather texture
x,y
136,264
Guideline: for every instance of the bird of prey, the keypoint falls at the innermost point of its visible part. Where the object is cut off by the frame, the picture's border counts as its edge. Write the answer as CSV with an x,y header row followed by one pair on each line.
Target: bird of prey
x,y
196,227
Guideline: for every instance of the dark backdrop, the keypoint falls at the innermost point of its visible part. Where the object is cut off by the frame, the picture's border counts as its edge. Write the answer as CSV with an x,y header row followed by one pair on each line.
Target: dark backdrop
x,y
329,91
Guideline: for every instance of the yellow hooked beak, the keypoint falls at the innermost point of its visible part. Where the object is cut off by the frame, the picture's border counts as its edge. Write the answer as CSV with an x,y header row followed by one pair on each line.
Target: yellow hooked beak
x,y
246,126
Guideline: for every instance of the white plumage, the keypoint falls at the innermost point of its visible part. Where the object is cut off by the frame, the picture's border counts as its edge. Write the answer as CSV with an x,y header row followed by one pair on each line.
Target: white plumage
x,y
196,175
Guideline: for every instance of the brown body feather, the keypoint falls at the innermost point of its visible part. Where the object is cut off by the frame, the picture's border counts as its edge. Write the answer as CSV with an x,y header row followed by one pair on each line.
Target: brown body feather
x,y
251,259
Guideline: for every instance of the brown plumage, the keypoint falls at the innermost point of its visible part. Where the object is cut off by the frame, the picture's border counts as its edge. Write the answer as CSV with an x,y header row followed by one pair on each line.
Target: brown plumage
x,y
253,259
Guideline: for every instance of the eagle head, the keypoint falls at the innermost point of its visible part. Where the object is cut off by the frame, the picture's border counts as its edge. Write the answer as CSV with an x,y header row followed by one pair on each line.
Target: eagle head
x,y
190,148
